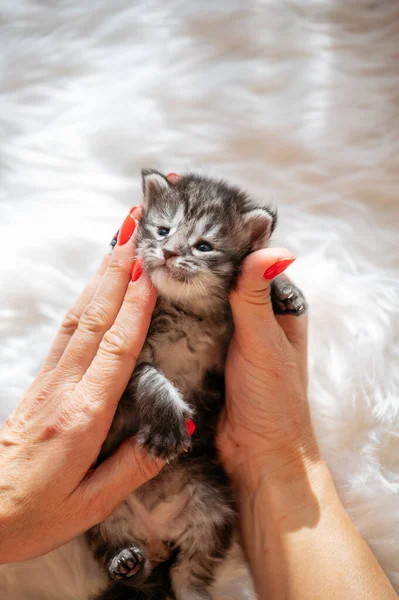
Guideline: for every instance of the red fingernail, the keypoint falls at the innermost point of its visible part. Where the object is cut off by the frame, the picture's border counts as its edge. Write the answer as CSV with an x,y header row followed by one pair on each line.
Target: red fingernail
x,y
190,427
135,210
278,267
173,177
137,269
126,231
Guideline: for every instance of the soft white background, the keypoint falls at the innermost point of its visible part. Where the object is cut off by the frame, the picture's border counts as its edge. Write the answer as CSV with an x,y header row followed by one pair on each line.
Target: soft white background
x,y
296,101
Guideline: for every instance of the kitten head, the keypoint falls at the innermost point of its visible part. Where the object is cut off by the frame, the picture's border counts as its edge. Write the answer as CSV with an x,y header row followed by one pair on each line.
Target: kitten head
x,y
194,234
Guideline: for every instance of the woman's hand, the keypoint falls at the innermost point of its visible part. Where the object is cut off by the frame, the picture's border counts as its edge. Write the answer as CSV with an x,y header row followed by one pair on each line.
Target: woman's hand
x,y
299,540
266,426
48,491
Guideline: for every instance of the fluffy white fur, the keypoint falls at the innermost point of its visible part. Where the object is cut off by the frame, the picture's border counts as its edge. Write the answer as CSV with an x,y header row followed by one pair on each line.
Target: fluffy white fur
x,y
296,101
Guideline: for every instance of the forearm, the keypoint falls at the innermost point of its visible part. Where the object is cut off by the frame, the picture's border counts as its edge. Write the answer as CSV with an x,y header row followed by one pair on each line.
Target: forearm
x,y
302,545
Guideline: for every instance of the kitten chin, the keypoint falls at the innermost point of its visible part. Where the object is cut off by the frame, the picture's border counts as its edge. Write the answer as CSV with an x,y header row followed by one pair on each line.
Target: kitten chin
x,y
169,287
198,292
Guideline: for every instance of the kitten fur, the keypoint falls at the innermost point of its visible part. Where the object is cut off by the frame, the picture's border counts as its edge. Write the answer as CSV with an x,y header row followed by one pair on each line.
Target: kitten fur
x,y
167,537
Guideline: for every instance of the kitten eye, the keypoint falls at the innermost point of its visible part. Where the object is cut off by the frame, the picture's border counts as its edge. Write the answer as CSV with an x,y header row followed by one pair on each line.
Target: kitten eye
x,y
163,231
204,247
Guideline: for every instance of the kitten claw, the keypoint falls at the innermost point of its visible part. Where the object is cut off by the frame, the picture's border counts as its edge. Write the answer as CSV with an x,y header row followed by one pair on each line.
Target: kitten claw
x,y
166,437
287,298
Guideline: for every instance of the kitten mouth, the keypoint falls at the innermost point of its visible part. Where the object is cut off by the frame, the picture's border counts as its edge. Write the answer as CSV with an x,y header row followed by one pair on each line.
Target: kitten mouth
x,y
177,273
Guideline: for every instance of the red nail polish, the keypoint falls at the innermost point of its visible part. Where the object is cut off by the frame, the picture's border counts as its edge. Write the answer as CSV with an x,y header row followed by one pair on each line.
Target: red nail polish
x,y
173,177
190,427
135,210
278,267
126,231
137,270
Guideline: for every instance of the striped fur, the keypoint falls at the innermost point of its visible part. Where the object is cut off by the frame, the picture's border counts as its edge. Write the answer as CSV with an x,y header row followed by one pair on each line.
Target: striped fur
x,y
169,536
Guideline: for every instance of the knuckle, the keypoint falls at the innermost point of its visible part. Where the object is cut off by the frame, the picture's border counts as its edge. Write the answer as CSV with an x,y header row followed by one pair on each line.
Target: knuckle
x,y
135,304
94,318
258,297
146,468
97,507
58,424
14,423
120,266
255,297
117,342
72,318
145,472
139,305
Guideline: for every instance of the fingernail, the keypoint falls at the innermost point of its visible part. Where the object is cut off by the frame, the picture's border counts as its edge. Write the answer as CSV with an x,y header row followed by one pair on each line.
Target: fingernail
x,y
135,210
190,427
126,231
278,267
173,177
137,269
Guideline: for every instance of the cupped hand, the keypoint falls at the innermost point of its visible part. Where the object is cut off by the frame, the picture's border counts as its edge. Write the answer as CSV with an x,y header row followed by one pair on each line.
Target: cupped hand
x,y
49,491
266,425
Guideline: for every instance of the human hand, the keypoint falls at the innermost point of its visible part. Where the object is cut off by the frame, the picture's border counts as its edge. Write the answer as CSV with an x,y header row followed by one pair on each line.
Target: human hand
x,y
266,425
48,491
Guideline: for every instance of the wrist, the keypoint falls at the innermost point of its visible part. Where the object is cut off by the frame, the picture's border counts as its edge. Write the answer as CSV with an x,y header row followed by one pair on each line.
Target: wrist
x,y
296,494
279,506
283,471
256,466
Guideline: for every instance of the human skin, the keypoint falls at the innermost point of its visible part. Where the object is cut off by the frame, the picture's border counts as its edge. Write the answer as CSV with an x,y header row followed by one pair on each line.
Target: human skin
x,y
49,492
299,540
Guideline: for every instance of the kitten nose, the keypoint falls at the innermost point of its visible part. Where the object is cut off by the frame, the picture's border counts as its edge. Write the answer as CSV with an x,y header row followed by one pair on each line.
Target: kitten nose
x,y
169,254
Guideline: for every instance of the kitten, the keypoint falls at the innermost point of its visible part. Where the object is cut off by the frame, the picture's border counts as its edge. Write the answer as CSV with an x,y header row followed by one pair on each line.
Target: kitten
x,y
173,531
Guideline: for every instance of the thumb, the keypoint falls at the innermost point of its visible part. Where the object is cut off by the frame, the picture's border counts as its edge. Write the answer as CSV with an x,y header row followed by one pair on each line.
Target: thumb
x,y
124,471
250,301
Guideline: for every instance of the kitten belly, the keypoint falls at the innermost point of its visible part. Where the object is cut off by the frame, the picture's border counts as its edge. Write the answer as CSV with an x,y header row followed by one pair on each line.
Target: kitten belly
x,y
149,519
185,358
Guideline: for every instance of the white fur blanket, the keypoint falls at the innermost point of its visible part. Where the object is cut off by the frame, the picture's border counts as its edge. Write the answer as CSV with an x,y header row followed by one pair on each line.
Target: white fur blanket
x,y
298,102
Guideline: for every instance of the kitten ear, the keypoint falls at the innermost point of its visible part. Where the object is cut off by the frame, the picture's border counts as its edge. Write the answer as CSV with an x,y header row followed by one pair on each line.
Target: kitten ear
x,y
153,185
261,223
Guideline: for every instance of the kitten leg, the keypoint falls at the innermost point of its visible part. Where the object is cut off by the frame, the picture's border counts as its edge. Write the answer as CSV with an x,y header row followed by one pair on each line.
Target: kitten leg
x,y
202,547
123,559
194,572
162,413
287,299
190,581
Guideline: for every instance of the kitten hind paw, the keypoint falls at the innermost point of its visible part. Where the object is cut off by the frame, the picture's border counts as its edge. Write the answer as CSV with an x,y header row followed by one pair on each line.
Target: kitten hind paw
x,y
127,563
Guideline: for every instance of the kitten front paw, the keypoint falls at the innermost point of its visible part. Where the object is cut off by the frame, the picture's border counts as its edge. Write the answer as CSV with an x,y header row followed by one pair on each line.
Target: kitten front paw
x,y
287,299
164,434
127,563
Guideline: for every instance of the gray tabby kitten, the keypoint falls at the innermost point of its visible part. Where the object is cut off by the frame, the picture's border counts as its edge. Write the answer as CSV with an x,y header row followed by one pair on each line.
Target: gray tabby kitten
x,y
174,530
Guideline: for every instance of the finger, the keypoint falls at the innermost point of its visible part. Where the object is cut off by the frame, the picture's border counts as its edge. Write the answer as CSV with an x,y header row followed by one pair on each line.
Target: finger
x,y
296,331
173,178
72,317
134,212
103,308
109,373
114,241
124,471
251,305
